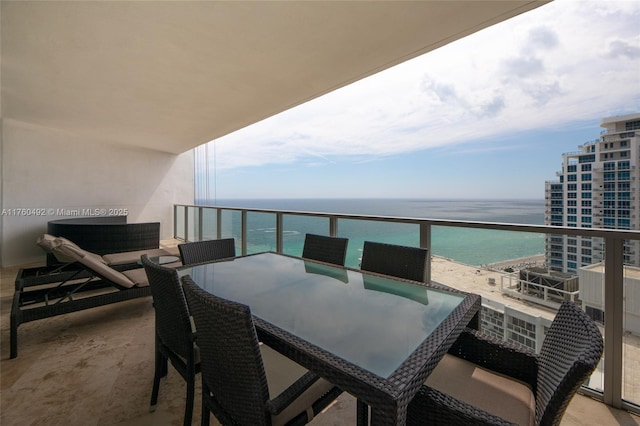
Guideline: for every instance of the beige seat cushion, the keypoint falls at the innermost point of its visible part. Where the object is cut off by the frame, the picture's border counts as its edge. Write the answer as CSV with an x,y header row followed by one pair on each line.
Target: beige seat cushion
x,y
281,373
137,276
45,241
114,259
499,395
67,251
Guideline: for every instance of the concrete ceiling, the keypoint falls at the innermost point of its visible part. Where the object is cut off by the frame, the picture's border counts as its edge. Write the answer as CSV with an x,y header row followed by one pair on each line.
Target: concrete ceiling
x,y
173,75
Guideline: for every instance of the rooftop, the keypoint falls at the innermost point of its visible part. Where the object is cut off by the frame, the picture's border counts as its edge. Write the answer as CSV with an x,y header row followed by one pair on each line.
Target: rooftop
x,y
95,367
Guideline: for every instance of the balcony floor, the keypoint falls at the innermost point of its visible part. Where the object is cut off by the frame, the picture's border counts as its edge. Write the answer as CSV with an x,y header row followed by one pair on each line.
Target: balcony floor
x,y
95,367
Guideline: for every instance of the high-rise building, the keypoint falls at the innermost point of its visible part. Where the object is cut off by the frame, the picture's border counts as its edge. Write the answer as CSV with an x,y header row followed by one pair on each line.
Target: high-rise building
x,y
598,187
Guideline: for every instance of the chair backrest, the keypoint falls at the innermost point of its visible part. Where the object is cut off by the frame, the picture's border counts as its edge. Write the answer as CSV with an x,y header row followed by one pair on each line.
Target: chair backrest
x,y
207,251
325,249
398,261
173,323
570,352
230,358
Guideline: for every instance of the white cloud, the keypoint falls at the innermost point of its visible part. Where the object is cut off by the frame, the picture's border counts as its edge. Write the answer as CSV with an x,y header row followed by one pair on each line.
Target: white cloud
x,y
566,61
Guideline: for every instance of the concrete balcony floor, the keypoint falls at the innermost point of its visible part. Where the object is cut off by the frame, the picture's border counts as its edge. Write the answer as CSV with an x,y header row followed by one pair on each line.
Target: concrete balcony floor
x,y
95,367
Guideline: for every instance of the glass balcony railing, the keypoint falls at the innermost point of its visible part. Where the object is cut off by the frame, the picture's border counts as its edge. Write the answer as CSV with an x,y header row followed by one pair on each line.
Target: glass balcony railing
x,y
519,300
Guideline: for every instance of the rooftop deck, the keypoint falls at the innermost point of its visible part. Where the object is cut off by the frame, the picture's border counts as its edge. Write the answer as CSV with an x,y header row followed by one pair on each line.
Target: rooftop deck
x,y
95,367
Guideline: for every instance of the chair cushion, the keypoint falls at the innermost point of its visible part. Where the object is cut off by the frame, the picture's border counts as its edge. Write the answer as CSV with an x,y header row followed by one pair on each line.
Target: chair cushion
x,y
494,393
127,257
137,276
45,241
67,251
281,373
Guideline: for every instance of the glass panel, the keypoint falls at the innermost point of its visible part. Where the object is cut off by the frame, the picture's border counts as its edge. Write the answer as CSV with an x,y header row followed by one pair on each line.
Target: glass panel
x,y
261,232
209,224
193,230
591,278
631,337
295,229
179,221
231,227
359,231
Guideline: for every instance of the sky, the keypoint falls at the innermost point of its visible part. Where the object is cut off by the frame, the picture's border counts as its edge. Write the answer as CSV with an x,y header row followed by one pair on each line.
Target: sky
x,y
485,117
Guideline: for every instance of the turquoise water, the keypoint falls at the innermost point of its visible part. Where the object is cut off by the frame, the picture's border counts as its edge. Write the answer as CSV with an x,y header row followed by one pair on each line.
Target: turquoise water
x,y
469,246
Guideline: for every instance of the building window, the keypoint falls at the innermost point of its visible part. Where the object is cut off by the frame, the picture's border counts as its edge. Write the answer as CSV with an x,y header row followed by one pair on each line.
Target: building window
x,y
632,125
586,252
585,167
586,187
586,176
624,175
624,165
586,219
609,176
572,168
624,154
571,195
572,187
624,143
610,166
586,203
586,195
572,178
572,211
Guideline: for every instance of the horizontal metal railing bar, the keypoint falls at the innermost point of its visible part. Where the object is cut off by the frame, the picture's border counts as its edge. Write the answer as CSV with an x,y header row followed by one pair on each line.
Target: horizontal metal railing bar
x,y
517,227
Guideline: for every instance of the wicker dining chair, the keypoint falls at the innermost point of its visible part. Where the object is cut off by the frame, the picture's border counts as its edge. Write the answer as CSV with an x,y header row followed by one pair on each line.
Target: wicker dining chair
x,y
245,382
399,261
175,337
325,249
484,381
207,251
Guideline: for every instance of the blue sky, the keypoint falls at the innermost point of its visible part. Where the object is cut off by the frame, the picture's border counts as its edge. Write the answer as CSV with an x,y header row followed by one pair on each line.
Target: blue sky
x,y
488,116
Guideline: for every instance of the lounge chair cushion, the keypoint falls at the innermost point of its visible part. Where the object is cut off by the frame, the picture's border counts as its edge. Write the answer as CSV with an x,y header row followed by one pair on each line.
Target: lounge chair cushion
x,y
500,395
137,276
133,256
66,249
45,241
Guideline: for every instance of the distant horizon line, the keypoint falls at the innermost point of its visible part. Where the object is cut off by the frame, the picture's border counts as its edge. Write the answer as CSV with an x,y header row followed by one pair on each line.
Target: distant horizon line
x,y
376,198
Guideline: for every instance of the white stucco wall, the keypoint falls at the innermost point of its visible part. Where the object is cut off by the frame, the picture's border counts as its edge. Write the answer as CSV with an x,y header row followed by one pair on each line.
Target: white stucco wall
x,y
48,169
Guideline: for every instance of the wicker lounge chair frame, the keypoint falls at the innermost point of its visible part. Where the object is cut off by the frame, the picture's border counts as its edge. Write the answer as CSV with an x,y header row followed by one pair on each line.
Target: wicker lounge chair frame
x,y
207,251
60,300
234,377
399,261
174,336
571,351
325,249
64,292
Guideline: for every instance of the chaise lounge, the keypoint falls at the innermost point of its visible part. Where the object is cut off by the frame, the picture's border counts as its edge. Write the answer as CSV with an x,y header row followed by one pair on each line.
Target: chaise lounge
x,y
89,281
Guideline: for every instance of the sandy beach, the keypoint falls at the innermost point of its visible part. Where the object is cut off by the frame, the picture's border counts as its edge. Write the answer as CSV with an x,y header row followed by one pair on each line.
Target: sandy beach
x,y
519,263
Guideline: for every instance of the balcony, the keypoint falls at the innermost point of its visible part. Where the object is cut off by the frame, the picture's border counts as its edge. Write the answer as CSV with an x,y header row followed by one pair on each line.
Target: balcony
x,y
95,367
287,228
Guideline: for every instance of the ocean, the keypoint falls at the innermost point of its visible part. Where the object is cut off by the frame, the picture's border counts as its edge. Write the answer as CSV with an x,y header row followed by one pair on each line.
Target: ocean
x,y
469,246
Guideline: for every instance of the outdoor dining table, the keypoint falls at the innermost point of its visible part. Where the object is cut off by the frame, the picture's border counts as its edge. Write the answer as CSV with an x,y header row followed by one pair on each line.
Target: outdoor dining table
x,y
376,337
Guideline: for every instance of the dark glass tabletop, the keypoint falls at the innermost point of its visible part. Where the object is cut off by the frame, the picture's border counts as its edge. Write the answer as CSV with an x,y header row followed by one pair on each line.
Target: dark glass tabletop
x,y
374,322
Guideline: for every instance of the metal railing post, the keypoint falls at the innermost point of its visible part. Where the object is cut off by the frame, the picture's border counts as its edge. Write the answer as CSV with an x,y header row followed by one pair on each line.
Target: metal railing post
x,y
243,230
425,242
279,233
333,226
218,224
613,320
